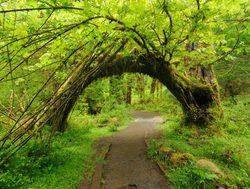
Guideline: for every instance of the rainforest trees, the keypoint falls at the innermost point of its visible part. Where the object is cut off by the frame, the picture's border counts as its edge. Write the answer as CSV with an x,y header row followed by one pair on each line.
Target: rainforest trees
x,y
62,46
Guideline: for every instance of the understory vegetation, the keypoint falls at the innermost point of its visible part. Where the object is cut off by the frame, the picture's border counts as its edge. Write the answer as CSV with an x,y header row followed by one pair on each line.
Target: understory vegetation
x,y
218,156
69,159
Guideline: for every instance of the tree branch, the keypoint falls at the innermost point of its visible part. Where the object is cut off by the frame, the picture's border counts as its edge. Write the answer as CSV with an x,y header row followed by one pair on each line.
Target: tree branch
x,y
229,52
131,29
165,9
198,4
41,8
48,42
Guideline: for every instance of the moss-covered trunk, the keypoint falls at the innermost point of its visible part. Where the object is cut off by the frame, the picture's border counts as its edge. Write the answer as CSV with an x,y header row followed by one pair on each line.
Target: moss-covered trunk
x,y
197,98
200,100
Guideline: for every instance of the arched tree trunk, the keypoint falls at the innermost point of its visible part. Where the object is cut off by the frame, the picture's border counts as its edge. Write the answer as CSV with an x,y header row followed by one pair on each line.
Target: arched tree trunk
x,y
195,98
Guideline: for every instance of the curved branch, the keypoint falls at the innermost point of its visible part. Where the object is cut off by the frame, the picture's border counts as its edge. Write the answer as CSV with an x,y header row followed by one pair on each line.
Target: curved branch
x,y
41,8
40,33
48,42
229,52
11,131
165,9
130,29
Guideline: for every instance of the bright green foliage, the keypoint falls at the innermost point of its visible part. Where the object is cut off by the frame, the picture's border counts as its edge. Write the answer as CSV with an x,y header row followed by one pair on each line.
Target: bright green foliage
x,y
184,22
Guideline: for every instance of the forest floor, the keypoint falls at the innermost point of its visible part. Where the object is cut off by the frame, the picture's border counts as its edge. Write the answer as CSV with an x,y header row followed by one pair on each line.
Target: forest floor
x,y
127,163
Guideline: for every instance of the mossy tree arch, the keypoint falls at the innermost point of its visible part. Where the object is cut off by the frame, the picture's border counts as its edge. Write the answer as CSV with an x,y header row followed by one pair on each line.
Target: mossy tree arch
x,y
103,38
196,99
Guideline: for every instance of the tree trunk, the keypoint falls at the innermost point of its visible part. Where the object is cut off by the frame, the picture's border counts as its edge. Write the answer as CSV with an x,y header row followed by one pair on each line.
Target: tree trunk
x,y
196,98
115,88
153,87
140,87
128,93
198,111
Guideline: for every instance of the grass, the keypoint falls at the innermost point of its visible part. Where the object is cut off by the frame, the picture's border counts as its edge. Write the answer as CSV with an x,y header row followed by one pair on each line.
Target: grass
x,y
226,144
68,160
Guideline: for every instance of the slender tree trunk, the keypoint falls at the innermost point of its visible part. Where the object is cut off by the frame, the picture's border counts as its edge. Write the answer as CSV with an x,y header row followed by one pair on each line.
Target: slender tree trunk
x,y
153,87
128,93
127,89
140,87
115,88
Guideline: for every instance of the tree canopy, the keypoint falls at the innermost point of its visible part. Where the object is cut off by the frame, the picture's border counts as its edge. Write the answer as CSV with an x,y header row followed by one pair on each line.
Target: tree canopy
x,y
63,32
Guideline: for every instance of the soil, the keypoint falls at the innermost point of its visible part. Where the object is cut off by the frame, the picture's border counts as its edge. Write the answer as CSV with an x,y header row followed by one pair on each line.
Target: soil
x,y
128,166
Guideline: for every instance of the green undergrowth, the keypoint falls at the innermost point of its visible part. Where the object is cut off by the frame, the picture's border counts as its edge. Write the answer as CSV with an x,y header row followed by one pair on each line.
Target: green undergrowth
x,y
225,146
167,104
68,160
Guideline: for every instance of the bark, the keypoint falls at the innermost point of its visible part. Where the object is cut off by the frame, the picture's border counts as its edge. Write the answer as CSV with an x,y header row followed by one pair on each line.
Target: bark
x,y
203,99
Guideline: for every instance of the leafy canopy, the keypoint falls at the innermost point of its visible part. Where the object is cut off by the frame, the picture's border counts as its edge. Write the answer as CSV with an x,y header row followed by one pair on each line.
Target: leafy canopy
x,y
54,31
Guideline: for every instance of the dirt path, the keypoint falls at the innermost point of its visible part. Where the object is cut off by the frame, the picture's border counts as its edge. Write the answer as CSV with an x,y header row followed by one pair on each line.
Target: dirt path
x,y
128,166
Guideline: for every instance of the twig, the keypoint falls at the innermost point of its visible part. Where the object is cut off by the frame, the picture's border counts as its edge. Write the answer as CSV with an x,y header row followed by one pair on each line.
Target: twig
x,y
131,29
229,52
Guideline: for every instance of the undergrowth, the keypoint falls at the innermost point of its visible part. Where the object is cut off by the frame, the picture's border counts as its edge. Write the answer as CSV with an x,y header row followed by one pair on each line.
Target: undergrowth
x,y
225,146
167,104
68,160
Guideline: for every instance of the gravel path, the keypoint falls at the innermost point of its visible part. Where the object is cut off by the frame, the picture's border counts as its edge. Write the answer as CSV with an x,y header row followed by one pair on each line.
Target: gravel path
x,y
128,166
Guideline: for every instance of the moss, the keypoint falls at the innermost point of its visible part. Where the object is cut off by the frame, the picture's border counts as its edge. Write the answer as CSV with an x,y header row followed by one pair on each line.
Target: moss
x,y
174,157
